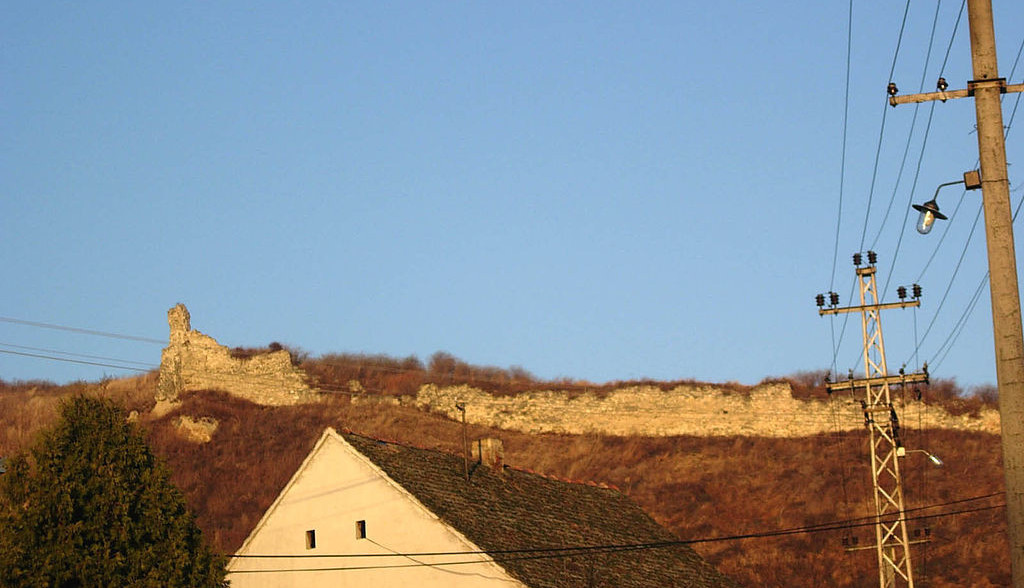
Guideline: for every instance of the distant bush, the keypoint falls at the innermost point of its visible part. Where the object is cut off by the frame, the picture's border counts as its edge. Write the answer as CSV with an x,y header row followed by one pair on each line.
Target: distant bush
x,y
297,356
390,376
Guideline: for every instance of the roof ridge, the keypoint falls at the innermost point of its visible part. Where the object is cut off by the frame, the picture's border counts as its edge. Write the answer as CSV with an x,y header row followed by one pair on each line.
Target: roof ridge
x,y
347,431
555,477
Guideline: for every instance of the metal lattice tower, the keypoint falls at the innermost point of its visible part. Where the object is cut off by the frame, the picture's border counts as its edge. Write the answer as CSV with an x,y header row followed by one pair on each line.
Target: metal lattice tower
x,y
892,543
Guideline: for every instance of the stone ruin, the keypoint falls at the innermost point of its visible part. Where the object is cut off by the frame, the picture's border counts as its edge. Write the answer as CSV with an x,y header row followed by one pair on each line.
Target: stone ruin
x,y
194,361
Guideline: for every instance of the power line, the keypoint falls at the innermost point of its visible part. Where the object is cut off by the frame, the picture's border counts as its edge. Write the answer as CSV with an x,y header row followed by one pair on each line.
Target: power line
x,y
959,325
877,156
574,551
952,279
857,521
842,157
910,134
874,175
82,331
927,131
87,356
79,361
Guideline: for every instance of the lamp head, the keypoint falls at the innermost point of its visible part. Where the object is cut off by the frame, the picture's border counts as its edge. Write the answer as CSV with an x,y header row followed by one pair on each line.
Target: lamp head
x,y
929,213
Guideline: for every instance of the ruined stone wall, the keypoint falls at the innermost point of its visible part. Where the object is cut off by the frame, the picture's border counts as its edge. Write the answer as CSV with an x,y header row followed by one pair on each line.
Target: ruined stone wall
x,y
768,410
194,361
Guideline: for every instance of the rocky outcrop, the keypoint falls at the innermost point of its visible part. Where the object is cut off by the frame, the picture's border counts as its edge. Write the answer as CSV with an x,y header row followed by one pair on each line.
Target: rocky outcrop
x,y
196,430
194,361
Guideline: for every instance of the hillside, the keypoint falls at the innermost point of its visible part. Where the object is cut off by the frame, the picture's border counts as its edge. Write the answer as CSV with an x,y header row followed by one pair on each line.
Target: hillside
x,y
702,488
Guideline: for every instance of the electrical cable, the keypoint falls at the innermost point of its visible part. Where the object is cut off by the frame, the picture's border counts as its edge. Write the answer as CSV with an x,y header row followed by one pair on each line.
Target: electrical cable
x,y
86,356
79,361
881,133
80,330
842,157
562,552
913,125
949,286
958,327
840,443
924,142
961,322
970,306
947,345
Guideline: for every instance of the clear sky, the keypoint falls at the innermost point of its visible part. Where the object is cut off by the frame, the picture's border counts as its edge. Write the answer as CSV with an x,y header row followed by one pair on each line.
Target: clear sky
x,y
592,190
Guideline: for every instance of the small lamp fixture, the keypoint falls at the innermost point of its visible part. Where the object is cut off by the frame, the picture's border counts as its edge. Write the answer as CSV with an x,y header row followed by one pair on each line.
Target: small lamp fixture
x,y
929,213
903,451
930,210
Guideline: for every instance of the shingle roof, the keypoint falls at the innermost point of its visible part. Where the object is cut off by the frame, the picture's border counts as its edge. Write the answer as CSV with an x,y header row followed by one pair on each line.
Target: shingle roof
x,y
518,510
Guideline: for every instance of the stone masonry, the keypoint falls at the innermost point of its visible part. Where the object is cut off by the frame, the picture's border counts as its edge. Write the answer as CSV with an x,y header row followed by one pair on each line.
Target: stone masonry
x,y
194,361
768,410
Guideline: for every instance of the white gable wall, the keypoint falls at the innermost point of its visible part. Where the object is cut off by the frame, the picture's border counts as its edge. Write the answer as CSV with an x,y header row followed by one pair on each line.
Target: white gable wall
x,y
335,487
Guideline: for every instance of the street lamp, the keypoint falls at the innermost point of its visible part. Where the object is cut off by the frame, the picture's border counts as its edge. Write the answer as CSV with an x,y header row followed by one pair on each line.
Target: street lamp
x,y
930,210
903,451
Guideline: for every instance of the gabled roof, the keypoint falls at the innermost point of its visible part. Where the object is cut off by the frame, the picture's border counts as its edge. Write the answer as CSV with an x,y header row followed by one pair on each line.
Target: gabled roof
x,y
517,510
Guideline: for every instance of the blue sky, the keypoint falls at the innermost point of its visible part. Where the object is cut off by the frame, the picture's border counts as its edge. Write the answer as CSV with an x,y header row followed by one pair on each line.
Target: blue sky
x,y
594,190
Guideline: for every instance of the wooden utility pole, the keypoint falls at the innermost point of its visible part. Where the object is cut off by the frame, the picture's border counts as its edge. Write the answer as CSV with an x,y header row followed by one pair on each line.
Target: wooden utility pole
x,y
986,87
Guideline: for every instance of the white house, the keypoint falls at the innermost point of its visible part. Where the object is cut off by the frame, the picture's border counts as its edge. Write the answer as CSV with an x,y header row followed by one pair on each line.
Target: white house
x,y
367,513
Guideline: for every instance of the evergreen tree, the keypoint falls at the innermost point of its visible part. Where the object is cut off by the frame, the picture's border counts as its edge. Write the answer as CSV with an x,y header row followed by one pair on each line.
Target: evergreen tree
x,y
90,505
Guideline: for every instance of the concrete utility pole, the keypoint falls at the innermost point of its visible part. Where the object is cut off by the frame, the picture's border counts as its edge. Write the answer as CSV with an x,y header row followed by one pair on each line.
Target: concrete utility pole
x,y
986,87
892,542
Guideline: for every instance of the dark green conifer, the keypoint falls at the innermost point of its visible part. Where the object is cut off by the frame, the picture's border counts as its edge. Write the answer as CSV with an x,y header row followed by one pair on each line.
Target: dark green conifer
x,y
90,505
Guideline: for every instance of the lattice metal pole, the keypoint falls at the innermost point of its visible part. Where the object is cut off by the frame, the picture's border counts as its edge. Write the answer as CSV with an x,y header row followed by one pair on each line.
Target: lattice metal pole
x,y
892,542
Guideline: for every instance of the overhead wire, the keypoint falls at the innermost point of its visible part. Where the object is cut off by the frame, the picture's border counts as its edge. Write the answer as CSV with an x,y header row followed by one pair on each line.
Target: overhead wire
x,y
794,417
961,322
842,156
874,173
82,355
952,279
58,327
573,551
910,133
881,130
842,172
924,142
78,361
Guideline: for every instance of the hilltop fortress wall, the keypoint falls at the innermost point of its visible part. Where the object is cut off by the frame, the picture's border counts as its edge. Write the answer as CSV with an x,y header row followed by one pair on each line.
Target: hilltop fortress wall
x,y
194,361
769,410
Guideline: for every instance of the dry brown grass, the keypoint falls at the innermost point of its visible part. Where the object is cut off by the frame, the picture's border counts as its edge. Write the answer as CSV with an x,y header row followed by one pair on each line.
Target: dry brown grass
x,y
26,407
700,488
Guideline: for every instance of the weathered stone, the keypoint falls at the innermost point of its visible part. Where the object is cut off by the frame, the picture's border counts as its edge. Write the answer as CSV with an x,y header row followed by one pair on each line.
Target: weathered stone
x,y
194,361
196,430
768,410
